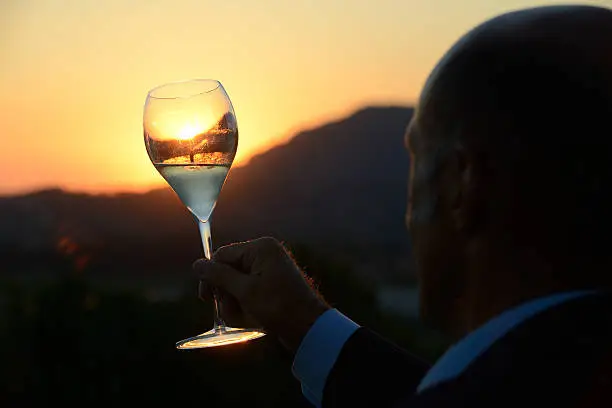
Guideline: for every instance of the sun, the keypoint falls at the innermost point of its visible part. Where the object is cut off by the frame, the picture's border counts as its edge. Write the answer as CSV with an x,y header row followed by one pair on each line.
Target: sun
x,y
181,125
188,131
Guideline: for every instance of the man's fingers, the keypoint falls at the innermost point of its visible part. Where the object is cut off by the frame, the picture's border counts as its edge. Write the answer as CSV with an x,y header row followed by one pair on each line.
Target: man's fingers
x,y
221,276
232,254
242,255
205,291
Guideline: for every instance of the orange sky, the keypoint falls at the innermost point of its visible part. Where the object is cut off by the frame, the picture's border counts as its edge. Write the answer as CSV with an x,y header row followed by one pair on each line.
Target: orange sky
x,y
74,73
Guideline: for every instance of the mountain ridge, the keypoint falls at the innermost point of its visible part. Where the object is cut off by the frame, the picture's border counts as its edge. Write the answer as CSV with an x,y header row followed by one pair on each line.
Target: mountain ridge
x,y
340,184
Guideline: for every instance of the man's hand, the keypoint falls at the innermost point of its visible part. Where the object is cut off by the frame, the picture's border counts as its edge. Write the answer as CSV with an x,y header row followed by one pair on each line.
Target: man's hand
x,y
265,287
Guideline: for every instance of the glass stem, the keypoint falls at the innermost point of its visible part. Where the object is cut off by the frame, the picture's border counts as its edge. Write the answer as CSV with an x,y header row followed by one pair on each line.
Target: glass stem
x,y
219,325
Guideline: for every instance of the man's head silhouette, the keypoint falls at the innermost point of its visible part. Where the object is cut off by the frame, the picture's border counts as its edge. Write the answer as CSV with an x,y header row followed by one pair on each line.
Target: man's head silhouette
x,y
511,181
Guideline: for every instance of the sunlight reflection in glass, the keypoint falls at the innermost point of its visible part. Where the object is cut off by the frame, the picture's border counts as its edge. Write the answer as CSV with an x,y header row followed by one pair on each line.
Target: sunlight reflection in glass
x,y
231,336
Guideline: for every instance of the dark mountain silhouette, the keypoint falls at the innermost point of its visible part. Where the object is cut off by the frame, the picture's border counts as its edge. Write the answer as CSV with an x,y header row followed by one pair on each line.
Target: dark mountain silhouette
x,y
342,185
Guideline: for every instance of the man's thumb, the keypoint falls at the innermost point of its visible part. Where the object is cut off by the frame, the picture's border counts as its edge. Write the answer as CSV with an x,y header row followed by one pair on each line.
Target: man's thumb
x,y
221,276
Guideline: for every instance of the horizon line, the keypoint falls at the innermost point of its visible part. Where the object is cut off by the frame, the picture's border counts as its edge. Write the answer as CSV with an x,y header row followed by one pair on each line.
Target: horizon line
x,y
114,190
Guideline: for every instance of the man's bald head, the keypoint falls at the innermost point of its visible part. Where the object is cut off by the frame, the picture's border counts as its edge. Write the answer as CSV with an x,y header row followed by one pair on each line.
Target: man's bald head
x,y
514,127
532,62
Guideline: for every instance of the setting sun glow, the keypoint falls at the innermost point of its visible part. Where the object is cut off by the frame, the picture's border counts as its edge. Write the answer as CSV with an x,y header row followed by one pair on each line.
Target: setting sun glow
x,y
184,125
189,131
75,74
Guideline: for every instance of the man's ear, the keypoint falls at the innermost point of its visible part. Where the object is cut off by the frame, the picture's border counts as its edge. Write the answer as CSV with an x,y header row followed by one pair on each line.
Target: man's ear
x,y
464,189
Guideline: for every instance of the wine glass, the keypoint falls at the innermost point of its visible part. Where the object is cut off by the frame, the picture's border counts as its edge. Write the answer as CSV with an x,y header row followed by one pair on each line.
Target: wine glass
x,y
191,136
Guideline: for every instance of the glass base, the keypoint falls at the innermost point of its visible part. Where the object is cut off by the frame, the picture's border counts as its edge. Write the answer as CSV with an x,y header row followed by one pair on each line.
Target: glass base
x,y
220,337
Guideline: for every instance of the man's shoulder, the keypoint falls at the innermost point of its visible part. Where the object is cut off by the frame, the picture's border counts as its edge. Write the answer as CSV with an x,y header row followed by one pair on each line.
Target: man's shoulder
x,y
554,357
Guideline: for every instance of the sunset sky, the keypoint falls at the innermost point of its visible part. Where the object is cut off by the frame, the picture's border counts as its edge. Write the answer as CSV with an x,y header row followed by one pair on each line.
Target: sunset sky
x,y
74,73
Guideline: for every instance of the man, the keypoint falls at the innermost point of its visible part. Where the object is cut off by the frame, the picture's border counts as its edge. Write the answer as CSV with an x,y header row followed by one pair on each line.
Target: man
x,y
509,212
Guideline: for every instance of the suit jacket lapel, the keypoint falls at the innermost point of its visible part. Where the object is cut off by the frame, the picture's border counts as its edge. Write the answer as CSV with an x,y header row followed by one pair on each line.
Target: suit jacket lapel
x,y
552,357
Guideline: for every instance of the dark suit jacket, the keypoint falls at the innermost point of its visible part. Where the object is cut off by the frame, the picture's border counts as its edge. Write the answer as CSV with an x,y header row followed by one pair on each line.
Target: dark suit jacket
x,y
560,358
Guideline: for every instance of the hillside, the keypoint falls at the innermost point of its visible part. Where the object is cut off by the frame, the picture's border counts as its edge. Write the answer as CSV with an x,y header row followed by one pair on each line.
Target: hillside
x,y
342,183
338,186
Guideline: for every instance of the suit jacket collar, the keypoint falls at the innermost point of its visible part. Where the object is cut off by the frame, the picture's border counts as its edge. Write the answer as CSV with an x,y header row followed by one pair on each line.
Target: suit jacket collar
x,y
553,357
459,356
